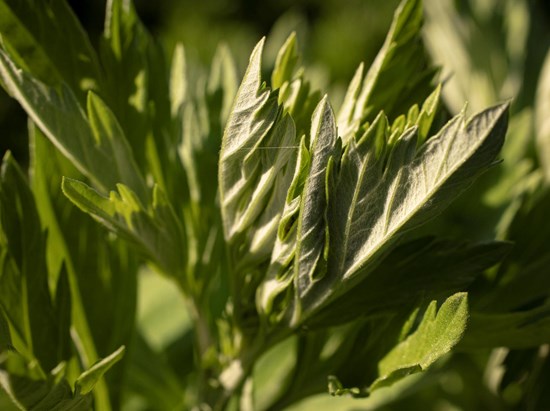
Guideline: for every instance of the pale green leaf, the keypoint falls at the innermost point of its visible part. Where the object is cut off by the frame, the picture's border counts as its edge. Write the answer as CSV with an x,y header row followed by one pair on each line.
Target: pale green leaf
x,y
178,80
257,147
379,201
280,272
278,166
311,235
459,38
242,134
296,94
347,124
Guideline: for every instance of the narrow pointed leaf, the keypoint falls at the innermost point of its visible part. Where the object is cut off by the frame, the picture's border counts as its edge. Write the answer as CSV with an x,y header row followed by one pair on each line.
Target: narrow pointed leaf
x,y
398,77
99,150
223,80
178,80
32,310
285,63
156,231
89,378
252,116
32,33
311,233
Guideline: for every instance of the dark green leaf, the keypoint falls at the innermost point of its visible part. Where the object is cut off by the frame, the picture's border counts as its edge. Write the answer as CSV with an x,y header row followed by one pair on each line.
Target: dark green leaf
x,y
32,32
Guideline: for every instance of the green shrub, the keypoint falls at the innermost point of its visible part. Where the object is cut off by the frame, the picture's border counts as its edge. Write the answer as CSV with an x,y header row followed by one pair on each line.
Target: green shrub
x,y
287,236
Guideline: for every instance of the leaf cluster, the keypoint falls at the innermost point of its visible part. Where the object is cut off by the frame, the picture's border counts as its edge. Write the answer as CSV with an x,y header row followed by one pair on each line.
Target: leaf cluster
x,y
290,232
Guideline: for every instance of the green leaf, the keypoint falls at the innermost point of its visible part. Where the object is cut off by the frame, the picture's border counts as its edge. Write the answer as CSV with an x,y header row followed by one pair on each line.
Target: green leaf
x,y
89,378
223,79
280,273
312,236
155,230
125,49
254,113
380,200
48,395
517,329
398,77
26,298
416,271
295,91
438,332
256,163
458,39
98,266
108,133
97,148
286,61
5,337
32,33
542,108
178,80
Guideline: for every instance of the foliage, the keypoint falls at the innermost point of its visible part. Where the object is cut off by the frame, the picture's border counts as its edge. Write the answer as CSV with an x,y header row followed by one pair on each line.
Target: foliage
x,y
290,237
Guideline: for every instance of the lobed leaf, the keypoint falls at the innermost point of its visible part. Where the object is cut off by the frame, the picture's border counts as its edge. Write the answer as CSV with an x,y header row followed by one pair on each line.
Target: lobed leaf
x,y
252,116
381,199
255,164
438,332
156,230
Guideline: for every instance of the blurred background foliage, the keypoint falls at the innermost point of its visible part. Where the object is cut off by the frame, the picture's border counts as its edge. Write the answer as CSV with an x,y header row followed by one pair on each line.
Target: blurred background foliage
x,y
489,51
333,36
500,43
